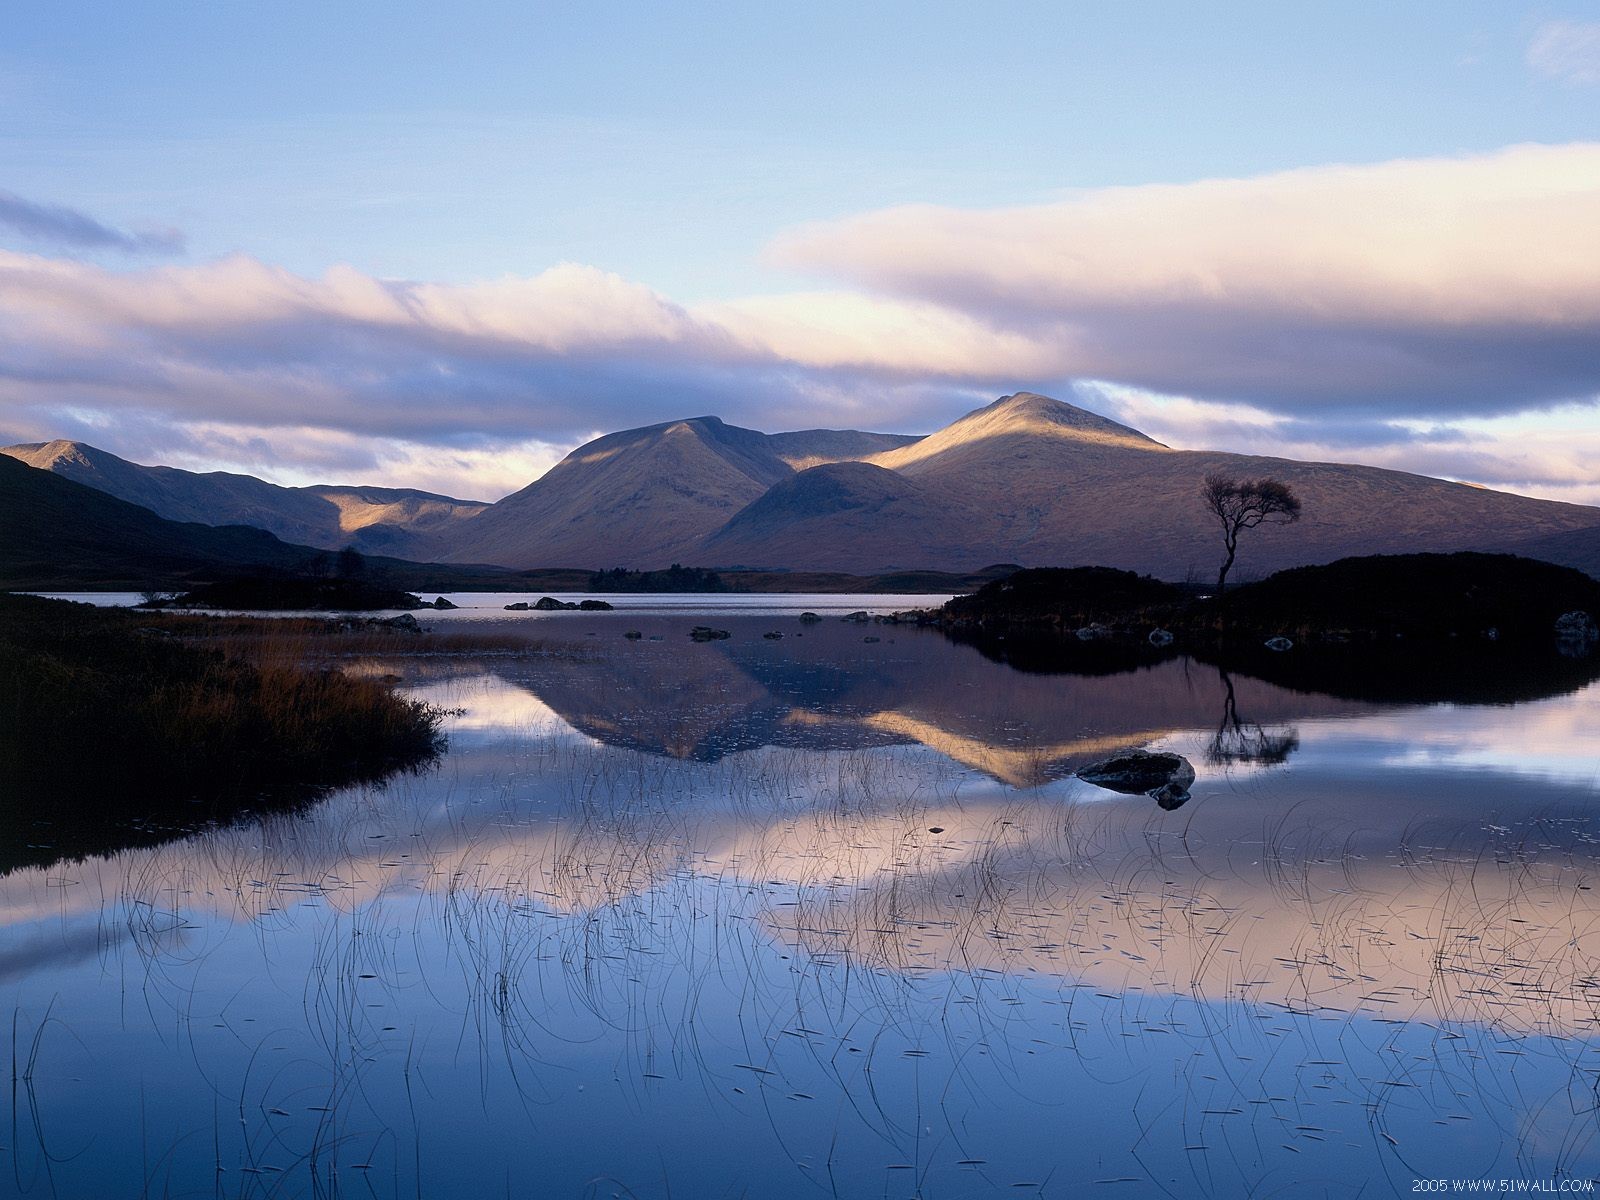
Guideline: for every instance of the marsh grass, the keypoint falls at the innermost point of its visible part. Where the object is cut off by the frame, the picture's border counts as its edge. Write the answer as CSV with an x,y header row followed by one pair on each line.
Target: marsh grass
x,y
104,716
778,933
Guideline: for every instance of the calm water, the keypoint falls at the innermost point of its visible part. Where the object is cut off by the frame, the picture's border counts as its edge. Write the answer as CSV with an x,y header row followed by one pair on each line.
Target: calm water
x,y
826,916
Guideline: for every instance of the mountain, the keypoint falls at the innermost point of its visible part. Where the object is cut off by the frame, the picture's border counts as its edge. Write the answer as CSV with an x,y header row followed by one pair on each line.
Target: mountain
x,y
55,533
329,516
1026,480
1032,480
649,497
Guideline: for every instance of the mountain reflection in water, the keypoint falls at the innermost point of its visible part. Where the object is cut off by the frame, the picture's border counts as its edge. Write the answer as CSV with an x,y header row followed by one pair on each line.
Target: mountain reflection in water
x,y
826,915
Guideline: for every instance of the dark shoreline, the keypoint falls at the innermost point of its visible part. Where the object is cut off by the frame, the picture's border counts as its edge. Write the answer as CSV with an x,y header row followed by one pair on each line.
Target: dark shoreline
x,y
119,720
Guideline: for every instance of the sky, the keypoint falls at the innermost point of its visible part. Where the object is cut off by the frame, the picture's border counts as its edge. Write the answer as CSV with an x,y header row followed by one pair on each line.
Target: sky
x,y
440,245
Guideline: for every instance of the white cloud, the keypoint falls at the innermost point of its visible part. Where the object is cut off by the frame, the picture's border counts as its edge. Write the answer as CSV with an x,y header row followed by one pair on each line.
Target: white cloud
x,y
1550,454
1567,50
1433,284
1367,312
60,226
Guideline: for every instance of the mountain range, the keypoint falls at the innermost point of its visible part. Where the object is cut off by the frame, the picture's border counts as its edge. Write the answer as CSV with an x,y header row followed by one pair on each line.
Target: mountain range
x,y
375,520
1026,479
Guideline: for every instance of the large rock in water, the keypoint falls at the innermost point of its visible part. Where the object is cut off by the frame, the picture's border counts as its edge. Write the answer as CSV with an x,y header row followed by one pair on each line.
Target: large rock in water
x,y
1160,774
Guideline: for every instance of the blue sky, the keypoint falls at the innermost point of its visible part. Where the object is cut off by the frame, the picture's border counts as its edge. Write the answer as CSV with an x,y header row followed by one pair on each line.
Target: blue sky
x,y
672,148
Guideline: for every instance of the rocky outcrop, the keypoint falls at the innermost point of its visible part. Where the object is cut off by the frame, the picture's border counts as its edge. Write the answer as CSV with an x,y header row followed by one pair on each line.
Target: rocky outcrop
x,y
1159,774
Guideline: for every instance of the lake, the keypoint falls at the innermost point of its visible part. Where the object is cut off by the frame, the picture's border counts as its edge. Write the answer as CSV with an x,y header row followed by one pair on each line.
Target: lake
x,y
830,914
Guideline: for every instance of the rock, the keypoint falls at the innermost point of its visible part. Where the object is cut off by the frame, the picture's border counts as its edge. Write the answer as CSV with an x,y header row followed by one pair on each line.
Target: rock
x,y
594,606
551,604
772,635
633,635
1160,774
441,604
1576,627
1170,796
704,633
405,621
1092,633
935,828
871,639
1280,644
809,618
859,617
1160,637
519,606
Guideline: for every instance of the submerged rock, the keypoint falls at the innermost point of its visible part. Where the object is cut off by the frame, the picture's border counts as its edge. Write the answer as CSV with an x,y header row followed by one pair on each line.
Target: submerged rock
x,y
1156,773
809,618
1280,644
772,635
633,635
1170,796
859,617
1576,632
704,633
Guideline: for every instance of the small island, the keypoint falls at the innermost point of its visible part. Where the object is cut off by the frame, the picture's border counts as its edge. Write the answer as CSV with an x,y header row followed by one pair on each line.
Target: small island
x,y
293,593
1464,600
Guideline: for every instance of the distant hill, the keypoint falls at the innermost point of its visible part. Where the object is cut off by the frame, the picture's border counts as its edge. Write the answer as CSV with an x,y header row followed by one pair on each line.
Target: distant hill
x,y
396,521
59,535
649,497
1026,480
1035,481
55,533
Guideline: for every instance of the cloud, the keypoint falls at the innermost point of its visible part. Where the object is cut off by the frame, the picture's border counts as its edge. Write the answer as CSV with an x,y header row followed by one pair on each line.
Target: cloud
x,y
1370,313
68,228
564,352
1567,50
1550,454
1447,284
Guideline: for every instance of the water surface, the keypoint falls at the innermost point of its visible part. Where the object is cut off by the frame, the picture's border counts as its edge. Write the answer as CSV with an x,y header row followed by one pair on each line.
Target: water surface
x,y
824,915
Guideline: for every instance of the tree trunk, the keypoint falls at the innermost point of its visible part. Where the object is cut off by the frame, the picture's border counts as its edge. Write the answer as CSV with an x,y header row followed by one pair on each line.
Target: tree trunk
x,y
1227,564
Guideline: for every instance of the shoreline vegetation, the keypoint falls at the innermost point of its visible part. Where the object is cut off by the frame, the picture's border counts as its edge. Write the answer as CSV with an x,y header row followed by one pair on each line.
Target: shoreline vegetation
x,y
289,593
361,586
117,722
1468,627
1376,600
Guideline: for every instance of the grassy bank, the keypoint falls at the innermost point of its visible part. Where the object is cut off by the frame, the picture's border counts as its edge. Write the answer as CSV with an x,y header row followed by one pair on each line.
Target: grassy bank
x,y
109,715
1380,600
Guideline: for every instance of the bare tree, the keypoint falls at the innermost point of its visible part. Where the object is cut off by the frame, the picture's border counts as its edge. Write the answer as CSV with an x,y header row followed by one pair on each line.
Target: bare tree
x,y
1240,504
